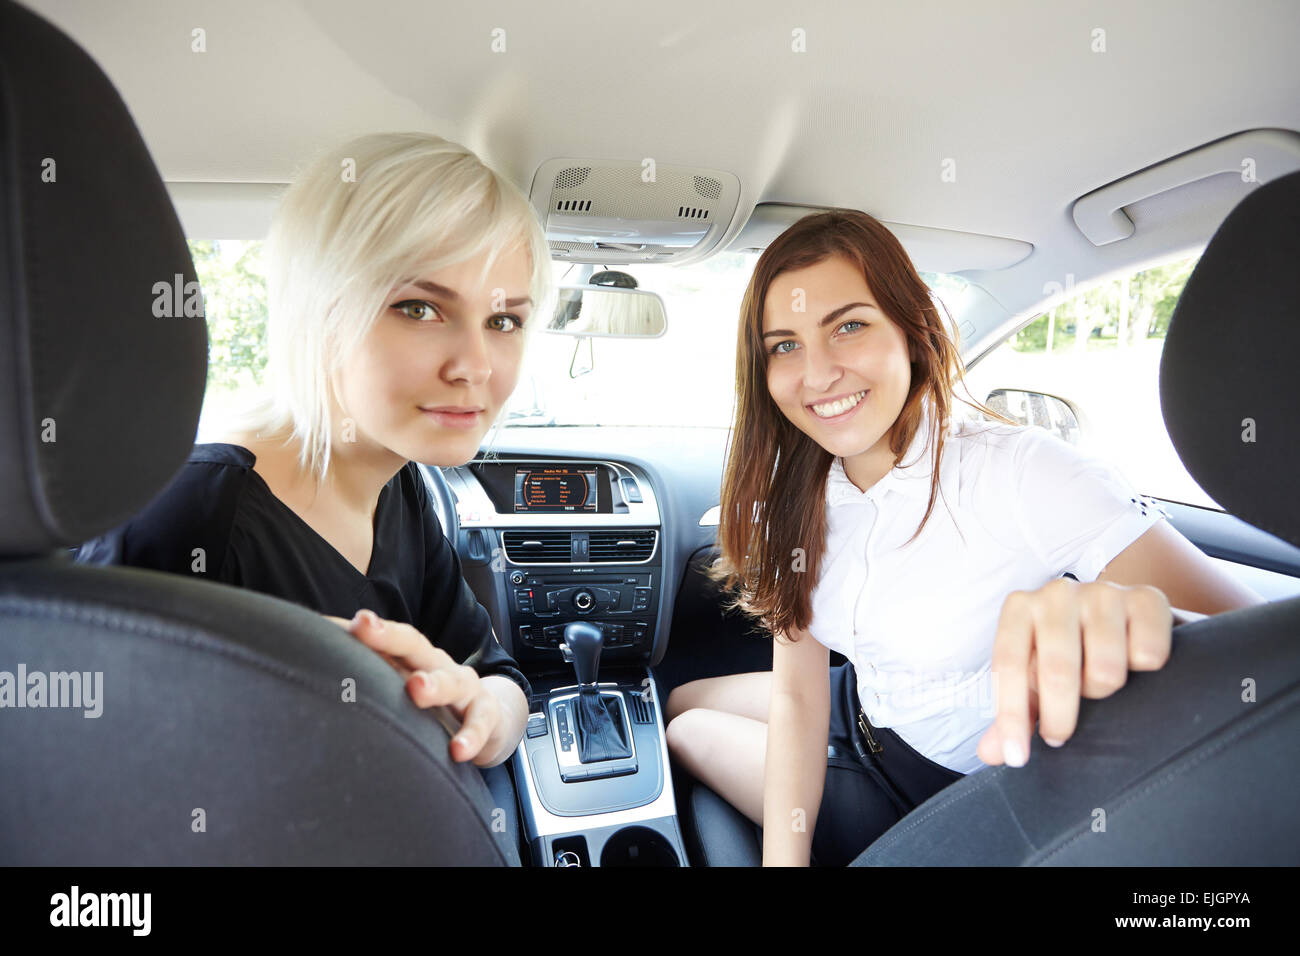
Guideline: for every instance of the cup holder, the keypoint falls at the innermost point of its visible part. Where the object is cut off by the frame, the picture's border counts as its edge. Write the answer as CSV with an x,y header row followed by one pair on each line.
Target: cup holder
x,y
638,846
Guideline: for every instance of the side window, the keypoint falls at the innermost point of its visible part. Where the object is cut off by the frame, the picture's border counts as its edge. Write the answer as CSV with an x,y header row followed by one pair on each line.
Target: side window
x,y
1099,349
233,278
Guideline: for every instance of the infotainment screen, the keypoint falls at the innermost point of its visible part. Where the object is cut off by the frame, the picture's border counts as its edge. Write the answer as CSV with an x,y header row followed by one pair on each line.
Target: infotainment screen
x,y
555,489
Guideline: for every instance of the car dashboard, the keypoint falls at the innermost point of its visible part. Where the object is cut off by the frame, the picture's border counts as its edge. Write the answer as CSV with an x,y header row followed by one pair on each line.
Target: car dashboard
x,y
567,540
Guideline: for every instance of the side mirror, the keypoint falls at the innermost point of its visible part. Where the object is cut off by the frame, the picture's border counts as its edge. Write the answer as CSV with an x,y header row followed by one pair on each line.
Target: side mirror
x,y
608,313
1052,412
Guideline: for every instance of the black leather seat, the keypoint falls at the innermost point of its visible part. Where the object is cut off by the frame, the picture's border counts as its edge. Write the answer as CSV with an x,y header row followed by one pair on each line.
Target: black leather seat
x,y
716,833
224,731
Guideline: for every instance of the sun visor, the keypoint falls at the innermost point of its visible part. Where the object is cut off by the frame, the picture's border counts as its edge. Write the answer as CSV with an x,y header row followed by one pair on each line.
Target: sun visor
x,y
225,210
931,250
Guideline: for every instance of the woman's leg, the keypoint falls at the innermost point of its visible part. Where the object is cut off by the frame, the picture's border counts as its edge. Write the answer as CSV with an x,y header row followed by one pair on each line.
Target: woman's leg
x,y
717,729
725,752
743,694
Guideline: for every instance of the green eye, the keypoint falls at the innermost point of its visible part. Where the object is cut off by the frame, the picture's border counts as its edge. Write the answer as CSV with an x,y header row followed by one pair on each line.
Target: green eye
x,y
417,309
777,350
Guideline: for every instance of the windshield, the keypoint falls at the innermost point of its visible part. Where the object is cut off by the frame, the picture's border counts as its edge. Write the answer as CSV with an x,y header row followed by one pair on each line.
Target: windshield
x,y
685,378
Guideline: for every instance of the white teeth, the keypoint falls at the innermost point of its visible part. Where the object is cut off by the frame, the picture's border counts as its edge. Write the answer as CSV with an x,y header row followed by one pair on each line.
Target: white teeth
x,y
831,409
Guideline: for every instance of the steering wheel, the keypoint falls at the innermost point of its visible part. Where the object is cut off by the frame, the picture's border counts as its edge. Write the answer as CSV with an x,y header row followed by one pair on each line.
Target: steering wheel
x,y
444,501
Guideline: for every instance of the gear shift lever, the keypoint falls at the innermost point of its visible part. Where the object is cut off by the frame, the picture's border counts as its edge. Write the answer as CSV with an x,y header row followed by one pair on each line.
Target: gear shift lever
x,y
600,730
584,643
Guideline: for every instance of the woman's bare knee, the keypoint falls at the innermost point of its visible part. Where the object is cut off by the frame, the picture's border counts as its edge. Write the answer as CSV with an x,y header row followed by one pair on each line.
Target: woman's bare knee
x,y
683,735
742,694
723,751
683,697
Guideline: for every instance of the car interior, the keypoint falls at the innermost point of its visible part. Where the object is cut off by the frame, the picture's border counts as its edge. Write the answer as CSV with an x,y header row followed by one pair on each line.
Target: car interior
x,y
1018,153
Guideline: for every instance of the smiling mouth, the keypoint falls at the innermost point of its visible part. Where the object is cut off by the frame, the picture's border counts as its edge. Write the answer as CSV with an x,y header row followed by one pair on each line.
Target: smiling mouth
x,y
839,407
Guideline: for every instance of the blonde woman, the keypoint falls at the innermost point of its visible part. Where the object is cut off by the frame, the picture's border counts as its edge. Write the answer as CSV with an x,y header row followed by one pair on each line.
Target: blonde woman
x,y
403,274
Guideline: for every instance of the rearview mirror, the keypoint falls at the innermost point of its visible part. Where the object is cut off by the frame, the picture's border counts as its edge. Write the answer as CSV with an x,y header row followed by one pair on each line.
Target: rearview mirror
x,y
1052,412
608,313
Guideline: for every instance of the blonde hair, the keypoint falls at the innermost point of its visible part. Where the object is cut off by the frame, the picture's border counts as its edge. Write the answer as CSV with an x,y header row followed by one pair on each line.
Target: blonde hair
x,y
617,313
360,219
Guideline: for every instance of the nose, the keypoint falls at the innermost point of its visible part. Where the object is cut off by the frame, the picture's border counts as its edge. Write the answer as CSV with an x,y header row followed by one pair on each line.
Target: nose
x,y
469,363
821,370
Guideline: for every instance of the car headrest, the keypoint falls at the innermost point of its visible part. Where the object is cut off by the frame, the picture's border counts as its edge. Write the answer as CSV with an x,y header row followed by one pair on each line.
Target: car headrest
x,y
102,375
1228,383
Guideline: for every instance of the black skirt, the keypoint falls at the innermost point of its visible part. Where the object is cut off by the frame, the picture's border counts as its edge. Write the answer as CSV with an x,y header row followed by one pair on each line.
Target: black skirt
x,y
873,778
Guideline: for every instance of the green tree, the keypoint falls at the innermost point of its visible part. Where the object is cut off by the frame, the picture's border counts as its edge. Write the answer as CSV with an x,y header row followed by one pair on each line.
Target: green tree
x,y
234,296
1138,305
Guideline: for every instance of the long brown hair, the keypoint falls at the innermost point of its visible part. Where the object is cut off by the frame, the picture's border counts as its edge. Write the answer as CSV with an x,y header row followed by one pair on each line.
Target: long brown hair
x,y
772,532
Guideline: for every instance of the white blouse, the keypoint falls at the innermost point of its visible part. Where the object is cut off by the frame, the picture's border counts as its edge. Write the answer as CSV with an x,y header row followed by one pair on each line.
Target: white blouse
x,y
918,621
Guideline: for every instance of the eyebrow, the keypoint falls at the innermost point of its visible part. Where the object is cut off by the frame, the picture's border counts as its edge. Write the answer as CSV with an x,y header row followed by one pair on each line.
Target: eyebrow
x,y
452,295
830,317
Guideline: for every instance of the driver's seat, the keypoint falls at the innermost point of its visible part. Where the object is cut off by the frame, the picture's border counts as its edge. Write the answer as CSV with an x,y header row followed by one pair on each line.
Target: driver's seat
x,y
148,718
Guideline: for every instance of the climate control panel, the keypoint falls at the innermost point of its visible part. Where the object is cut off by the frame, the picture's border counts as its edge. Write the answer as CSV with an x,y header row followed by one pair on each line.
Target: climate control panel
x,y
622,605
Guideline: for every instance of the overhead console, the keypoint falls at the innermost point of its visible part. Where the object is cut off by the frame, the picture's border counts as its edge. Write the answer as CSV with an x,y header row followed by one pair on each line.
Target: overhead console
x,y
566,540
612,211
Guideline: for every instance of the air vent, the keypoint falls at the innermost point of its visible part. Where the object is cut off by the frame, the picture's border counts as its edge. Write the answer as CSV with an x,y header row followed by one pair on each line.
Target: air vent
x,y
691,212
538,547
643,712
573,205
621,546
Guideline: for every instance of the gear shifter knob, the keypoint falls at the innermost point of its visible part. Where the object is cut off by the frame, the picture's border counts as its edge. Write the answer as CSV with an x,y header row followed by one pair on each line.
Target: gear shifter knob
x,y
584,643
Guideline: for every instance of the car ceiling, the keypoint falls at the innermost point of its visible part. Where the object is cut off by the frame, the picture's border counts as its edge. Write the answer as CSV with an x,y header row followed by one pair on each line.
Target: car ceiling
x,y
1013,92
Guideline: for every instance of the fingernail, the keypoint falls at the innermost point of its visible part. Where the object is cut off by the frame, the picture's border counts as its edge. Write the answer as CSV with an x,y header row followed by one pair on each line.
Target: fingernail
x,y
430,680
375,620
462,741
1012,753
1052,743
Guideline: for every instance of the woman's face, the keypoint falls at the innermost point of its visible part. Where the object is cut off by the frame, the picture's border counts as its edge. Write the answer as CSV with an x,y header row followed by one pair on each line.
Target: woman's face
x,y
440,362
837,367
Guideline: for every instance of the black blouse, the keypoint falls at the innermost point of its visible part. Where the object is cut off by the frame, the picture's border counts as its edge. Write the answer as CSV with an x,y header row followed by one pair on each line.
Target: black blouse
x,y
252,539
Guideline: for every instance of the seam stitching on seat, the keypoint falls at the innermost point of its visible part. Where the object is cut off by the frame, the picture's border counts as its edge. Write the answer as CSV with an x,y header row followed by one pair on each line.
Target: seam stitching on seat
x,y
112,618
907,824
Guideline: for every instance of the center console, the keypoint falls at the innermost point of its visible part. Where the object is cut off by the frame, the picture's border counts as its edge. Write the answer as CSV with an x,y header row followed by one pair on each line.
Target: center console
x,y
568,554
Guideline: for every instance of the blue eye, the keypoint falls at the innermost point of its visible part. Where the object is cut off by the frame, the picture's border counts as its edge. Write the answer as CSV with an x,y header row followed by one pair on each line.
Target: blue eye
x,y
405,306
777,350
852,322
